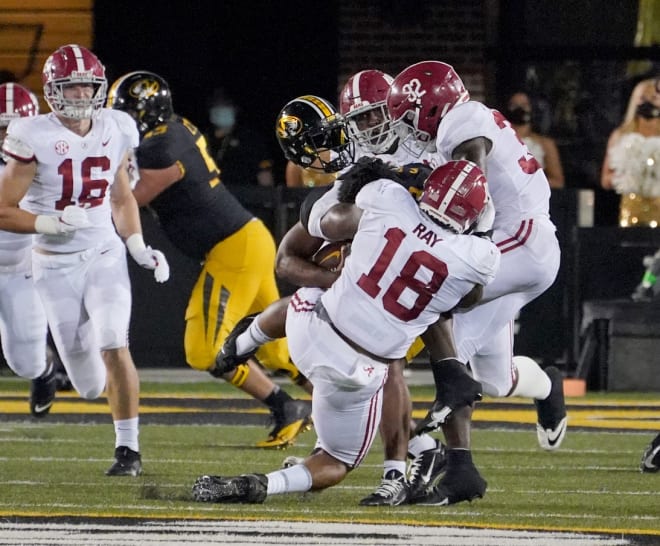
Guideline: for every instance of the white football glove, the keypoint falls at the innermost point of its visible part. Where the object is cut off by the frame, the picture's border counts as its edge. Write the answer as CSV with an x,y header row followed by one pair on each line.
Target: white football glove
x,y
147,257
72,219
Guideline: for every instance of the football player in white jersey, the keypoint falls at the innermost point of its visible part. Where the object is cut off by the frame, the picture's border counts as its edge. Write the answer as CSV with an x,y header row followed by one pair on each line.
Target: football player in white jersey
x,y
362,103
409,264
432,112
68,170
22,318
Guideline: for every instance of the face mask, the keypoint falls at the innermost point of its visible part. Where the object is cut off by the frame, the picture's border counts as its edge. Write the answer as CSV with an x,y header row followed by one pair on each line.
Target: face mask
x,y
518,116
223,117
648,110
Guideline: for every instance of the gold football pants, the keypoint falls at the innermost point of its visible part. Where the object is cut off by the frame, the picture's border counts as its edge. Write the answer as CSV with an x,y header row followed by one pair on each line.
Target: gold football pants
x,y
237,279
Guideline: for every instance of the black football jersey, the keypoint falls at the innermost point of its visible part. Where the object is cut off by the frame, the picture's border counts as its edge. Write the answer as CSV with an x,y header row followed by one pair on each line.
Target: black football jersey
x,y
198,211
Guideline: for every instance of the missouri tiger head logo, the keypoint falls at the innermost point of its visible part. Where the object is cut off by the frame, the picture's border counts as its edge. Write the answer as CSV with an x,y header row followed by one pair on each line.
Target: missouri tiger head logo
x,y
289,126
143,89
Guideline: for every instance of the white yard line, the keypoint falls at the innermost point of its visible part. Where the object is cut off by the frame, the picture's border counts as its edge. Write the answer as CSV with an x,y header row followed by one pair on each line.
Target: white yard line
x,y
240,533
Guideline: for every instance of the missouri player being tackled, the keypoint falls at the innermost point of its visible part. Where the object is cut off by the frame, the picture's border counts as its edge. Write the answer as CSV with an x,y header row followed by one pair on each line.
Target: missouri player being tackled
x,y
181,183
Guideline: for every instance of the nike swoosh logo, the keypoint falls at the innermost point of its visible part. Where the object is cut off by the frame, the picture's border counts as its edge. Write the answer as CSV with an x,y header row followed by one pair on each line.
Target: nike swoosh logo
x,y
426,478
28,275
554,438
106,142
439,416
38,408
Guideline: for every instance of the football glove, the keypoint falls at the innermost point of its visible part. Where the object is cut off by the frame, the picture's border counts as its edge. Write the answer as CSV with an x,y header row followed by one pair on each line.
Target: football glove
x,y
147,257
72,219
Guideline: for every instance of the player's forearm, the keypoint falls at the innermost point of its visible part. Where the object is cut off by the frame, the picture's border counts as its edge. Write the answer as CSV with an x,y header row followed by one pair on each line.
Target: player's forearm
x,y
17,220
301,272
126,217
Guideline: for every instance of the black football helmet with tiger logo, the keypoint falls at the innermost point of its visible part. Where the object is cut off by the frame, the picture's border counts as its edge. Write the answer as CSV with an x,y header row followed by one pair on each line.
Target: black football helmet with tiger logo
x,y
145,96
313,135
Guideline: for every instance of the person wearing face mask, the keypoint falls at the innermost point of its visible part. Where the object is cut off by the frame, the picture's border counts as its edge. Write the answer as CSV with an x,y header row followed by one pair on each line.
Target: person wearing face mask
x,y
632,159
543,148
238,150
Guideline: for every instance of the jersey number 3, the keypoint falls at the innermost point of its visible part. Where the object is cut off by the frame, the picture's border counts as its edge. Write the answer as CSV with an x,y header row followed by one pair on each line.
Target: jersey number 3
x,y
406,278
93,190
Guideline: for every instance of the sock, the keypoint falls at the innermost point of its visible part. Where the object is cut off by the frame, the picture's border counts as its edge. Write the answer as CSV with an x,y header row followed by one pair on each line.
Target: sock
x,y
391,464
533,382
126,433
420,443
276,399
294,479
458,456
252,338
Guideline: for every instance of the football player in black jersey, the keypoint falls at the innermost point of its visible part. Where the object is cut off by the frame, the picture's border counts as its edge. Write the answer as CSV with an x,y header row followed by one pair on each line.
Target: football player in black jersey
x,y
180,181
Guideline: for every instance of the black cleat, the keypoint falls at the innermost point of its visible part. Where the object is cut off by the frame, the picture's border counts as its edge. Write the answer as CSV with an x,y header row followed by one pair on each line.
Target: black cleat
x,y
552,418
392,491
296,417
425,469
247,488
651,457
460,483
127,463
42,393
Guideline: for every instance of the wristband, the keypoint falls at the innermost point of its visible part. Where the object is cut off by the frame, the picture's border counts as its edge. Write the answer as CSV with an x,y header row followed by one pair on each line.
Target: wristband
x,y
135,244
48,225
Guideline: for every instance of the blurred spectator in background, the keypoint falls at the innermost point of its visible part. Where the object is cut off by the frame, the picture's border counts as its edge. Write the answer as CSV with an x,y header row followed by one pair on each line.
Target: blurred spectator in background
x,y
543,148
632,160
239,150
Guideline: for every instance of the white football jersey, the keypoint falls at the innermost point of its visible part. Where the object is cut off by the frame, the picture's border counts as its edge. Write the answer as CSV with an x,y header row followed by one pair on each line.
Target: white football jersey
x,y
72,170
399,158
403,271
516,181
14,248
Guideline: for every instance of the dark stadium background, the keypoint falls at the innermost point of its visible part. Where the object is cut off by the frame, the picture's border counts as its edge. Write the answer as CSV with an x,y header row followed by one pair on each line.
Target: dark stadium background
x,y
263,53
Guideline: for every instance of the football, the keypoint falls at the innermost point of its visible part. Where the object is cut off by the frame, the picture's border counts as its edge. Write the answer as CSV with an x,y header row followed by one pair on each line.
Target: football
x,y
329,255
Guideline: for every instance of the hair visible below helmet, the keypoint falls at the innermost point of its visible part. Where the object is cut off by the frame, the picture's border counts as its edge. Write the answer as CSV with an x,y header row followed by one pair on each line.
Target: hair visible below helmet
x,y
455,195
74,65
145,96
16,101
363,96
313,135
420,96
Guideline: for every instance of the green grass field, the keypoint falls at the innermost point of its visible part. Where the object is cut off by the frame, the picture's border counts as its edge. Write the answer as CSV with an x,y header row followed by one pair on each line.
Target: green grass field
x,y
55,467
